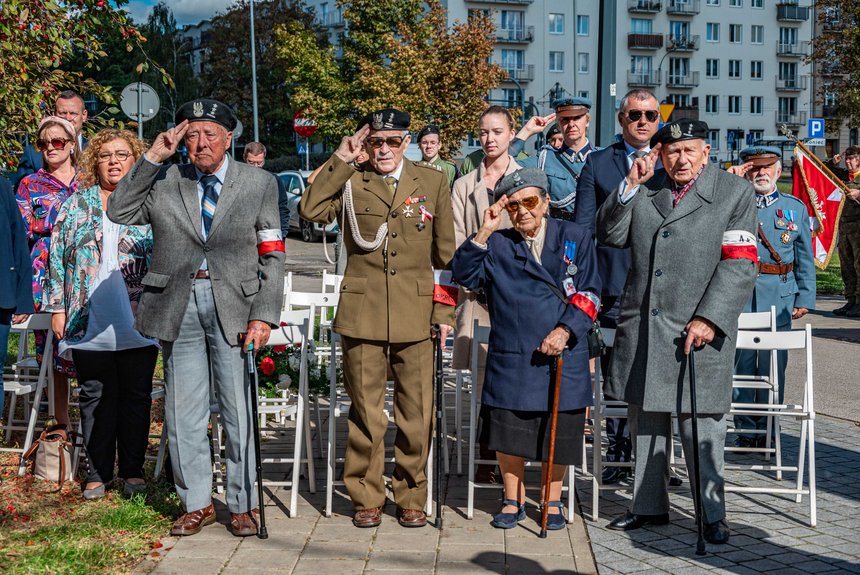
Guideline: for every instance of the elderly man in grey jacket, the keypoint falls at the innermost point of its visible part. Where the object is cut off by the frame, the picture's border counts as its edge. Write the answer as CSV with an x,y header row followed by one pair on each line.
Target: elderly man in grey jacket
x,y
217,272
691,233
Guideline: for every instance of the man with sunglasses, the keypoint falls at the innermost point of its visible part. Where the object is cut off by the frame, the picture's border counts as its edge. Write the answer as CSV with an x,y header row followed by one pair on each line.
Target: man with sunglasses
x,y
604,169
397,224
562,166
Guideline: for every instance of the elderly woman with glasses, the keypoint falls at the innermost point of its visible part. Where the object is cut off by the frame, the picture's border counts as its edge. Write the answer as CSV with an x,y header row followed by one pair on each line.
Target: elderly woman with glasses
x,y
541,282
94,284
39,197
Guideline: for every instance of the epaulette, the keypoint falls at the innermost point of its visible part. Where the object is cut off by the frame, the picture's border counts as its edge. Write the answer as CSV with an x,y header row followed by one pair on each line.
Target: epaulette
x,y
424,164
795,198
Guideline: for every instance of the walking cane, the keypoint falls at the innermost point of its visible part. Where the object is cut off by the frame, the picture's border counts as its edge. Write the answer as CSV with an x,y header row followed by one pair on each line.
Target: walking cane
x,y
552,428
262,533
438,382
697,488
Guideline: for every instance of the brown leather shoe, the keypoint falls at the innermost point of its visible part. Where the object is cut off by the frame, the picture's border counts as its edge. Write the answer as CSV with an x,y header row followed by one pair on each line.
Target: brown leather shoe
x,y
243,524
370,517
412,518
191,523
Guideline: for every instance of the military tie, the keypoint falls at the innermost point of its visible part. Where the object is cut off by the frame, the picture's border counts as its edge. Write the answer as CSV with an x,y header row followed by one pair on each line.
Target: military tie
x,y
210,200
392,184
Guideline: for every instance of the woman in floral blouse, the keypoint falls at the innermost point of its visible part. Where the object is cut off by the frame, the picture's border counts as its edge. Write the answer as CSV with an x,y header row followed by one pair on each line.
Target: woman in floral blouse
x,y
94,284
39,197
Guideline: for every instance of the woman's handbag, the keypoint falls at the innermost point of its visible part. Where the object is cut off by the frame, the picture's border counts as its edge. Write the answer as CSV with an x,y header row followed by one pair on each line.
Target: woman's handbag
x,y
51,455
596,345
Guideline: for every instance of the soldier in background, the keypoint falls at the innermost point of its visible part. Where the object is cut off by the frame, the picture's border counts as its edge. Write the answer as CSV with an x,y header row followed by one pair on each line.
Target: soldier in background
x,y
849,230
429,142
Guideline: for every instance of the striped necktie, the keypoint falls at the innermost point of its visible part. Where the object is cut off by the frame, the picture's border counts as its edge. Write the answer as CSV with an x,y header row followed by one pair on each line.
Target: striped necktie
x,y
210,200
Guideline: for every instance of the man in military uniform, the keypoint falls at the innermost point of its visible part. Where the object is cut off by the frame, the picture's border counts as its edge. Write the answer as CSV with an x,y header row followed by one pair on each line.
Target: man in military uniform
x,y
429,142
562,166
786,277
554,137
397,222
849,230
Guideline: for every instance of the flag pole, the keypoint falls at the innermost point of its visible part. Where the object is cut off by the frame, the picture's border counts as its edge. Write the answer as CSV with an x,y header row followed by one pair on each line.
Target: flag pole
x,y
790,135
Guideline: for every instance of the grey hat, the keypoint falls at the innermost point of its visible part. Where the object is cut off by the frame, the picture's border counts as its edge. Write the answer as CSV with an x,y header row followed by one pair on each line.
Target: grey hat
x,y
522,178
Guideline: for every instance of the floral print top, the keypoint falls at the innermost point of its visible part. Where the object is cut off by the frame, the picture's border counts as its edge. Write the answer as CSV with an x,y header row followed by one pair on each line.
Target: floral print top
x,y
75,258
39,197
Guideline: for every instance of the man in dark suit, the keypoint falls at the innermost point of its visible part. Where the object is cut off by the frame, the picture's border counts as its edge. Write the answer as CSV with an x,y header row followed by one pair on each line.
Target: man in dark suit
x,y
603,171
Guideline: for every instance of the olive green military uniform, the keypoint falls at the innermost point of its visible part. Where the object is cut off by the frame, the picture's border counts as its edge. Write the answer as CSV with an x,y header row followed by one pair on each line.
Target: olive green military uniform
x,y
385,314
448,168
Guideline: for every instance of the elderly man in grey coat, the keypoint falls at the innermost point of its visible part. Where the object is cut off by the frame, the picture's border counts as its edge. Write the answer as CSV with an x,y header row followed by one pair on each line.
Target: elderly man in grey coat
x,y
691,232
217,272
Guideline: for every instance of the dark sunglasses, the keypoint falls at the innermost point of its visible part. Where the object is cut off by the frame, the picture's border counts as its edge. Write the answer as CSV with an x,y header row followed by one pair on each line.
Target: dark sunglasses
x,y
528,203
650,115
56,143
392,141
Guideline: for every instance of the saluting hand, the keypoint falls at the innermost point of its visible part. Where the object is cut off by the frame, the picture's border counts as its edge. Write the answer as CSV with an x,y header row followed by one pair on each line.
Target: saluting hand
x,y
643,168
165,143
836,159
492,220
535,125
350,146
740,170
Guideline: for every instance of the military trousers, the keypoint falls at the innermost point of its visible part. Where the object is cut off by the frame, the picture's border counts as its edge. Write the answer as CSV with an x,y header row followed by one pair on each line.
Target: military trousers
x,y
365,364
849,258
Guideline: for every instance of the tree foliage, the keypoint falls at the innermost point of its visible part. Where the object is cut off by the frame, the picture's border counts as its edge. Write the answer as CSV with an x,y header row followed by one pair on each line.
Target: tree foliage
x,y
836,53
400,54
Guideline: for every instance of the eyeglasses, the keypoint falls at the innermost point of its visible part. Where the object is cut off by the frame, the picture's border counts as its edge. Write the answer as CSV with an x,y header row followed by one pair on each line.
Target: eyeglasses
x,y
56,143
528,203
392,141
120,155
650,115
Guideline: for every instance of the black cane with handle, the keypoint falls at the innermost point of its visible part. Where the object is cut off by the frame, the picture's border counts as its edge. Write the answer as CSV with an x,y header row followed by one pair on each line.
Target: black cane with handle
x,y
437,383
697,488
262,533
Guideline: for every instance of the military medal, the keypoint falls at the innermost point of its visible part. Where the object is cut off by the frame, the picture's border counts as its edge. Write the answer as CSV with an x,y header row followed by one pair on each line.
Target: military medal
x,y
569,255
572,269
407,212
785,237
780,222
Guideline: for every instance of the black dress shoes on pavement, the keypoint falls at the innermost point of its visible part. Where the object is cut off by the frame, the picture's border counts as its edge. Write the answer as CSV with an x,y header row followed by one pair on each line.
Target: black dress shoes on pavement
x,y
717,532
613,475
630,521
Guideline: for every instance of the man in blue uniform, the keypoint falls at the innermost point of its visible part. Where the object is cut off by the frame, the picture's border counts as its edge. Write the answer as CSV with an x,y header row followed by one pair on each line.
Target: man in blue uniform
x,y
562,166
786,277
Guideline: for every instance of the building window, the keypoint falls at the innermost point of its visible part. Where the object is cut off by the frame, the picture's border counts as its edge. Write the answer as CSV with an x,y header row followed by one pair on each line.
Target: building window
x,y
582,63
556,61
712,104
712,32
734,68
757,35
853,137
734,104
755,136
736,33
582,93
755,70
641,26
788,36
736,3
512,98
641,65
712,68
513,21
757,3
714,139
556,23
755,104
681,101
713,2
513,59
582,25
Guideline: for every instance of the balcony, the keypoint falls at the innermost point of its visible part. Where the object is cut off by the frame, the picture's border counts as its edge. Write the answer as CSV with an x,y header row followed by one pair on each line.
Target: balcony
x,y
331,20
790,119
791,12
526,74
644,6
795,50
791,83
682,43
680,114
501,1
515,35
645,41
690,80
683,7
643,79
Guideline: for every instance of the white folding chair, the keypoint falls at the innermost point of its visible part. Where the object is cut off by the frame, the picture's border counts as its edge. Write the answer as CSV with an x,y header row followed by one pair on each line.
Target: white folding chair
x,y
805,412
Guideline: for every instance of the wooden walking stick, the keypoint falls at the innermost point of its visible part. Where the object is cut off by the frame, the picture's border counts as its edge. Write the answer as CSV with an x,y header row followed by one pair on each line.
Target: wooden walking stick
x,y
697,488
552,429
262,533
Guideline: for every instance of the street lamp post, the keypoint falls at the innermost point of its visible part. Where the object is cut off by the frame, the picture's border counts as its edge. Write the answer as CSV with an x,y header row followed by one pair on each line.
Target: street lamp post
x,y
254,75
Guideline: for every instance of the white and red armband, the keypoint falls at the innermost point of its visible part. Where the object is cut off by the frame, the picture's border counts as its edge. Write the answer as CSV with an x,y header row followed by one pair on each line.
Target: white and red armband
x,y
739,244
587,302
269,241
444,289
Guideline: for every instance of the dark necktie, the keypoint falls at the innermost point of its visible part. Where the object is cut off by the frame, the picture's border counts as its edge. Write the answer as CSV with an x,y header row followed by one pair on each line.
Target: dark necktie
x,y
210,200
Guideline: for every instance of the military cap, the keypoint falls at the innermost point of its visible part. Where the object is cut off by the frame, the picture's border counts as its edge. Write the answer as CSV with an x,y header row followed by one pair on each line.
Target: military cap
x,y
522,178
679,131
761,155
553,130
852,151
571,106
386,119
206,110
428,129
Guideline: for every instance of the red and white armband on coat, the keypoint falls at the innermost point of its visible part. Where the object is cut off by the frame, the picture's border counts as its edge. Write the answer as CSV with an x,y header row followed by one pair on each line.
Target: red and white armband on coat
x,y
269,241
444,289
587,302
739,245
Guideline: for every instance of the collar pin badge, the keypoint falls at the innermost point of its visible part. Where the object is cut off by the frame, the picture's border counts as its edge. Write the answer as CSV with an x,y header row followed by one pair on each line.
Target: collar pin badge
x,y
197,109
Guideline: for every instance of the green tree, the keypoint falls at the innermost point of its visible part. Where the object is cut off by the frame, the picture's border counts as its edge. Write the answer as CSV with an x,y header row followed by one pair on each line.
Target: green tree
x,y
836,55
402,54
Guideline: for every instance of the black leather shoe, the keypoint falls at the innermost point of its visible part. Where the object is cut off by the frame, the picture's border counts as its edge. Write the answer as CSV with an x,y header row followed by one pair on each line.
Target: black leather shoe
x,y
844,309
854,311
629,521
717,532
613,475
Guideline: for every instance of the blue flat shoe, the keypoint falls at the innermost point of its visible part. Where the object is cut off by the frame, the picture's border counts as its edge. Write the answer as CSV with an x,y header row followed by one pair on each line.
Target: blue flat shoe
x,y
509,520
555,522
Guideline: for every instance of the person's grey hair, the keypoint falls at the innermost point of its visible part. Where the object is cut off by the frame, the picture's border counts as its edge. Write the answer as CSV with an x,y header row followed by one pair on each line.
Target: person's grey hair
x,y
253,148
640,94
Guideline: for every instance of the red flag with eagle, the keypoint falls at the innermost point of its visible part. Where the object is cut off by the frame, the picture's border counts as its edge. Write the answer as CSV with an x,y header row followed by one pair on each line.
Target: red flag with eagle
x,y
823,193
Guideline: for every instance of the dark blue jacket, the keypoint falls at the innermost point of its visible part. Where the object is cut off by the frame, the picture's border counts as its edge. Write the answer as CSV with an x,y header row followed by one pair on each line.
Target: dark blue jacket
x,y
524,309
30,163
16,272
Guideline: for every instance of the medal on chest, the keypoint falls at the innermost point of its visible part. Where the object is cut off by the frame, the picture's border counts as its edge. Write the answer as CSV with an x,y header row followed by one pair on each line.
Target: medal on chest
x,y
569,255
785,237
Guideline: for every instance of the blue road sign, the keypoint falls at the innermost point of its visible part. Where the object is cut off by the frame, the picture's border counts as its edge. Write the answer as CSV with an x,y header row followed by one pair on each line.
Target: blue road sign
x,y
749,139
301,149
815,128
730,137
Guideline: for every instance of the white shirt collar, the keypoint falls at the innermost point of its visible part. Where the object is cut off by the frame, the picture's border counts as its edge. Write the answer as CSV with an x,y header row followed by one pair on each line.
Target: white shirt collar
x,y
396,173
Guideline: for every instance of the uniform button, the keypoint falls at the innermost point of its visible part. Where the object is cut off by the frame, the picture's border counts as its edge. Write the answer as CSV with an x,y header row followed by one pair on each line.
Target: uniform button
x,y
393,234
207,249
367,209
666,233
655,311
393,214
658,273
394,272
393,254
191,276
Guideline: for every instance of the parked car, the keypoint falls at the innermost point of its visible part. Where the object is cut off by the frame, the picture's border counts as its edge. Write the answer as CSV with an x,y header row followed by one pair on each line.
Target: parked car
x,y
295,182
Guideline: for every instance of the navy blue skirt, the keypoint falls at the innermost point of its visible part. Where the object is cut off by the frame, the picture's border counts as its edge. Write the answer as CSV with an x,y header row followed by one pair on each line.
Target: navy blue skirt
x,y
526,433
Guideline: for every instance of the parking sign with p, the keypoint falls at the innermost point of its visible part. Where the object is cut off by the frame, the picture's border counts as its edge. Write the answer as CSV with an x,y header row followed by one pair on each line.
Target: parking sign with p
x,y
816,128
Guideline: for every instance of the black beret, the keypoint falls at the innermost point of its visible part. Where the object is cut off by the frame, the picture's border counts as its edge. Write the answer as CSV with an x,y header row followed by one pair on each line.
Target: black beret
x,y
387,119
428,129
522,178
206,110
553,130
678,131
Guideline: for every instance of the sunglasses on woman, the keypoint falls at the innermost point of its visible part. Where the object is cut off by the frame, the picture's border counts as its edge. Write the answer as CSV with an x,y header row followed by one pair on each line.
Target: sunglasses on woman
x,y
528,203
650,115
56,143
392,141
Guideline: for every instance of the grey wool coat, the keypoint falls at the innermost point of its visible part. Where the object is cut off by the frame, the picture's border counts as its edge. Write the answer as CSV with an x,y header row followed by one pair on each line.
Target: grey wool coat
x,y
246,286
678,272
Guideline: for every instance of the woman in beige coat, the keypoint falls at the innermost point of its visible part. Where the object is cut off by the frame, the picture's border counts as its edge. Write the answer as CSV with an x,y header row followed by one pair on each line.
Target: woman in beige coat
x,y
472,194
